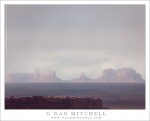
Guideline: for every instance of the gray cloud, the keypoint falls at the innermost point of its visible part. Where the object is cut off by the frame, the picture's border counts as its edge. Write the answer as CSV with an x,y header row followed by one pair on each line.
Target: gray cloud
x,y
75,38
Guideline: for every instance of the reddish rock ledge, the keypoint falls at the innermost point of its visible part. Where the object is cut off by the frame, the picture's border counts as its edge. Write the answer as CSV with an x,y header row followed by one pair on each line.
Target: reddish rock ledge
x,y
52,102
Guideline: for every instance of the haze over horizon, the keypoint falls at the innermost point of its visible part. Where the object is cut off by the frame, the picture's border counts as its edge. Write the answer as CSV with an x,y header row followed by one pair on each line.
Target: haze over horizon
x,y
124,75
72,39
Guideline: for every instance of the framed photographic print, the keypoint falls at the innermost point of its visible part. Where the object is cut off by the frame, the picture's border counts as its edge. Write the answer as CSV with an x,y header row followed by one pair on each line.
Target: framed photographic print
x,y
74,60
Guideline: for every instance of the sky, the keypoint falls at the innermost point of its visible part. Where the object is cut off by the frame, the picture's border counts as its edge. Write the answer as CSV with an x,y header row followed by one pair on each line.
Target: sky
x,y
72,39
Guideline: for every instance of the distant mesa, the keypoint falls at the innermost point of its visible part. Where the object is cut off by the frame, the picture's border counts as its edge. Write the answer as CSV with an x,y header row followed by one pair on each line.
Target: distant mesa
x,y
37,77
125,75
47,77
81,79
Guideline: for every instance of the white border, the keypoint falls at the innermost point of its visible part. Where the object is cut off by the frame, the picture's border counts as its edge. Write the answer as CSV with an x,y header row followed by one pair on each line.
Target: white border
x,y
138,115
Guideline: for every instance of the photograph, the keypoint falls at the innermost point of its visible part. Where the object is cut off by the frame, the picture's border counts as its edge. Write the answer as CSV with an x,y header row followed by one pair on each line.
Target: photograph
x,y
75,57
74,61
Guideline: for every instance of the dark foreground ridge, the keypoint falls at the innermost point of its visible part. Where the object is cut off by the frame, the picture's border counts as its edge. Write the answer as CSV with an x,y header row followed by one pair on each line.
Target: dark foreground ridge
x,y
52,102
